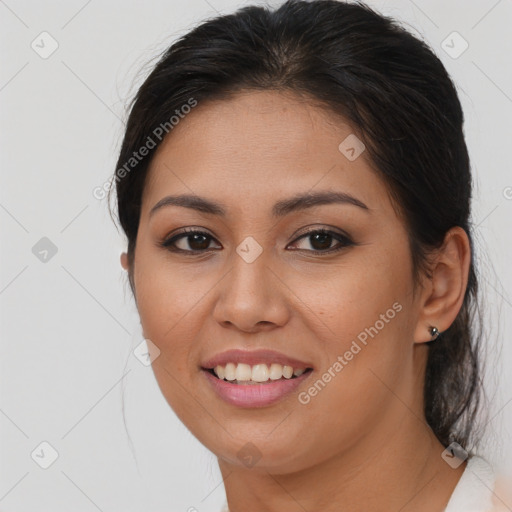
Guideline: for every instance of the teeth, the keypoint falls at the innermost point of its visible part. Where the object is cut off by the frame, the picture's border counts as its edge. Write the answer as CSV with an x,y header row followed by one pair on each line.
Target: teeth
x,y
287,372
276,371
242,372
260,373
229,371
220,372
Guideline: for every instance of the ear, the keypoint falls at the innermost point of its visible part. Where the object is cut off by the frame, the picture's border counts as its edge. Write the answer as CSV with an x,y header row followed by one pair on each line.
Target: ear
x,y
126,265
124,260
444,291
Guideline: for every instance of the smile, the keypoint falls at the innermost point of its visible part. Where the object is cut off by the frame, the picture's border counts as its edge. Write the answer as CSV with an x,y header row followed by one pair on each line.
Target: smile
x,y
233,385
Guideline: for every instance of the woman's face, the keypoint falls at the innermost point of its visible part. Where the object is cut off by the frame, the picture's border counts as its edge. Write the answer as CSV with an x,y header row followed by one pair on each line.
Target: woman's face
x,y
261,277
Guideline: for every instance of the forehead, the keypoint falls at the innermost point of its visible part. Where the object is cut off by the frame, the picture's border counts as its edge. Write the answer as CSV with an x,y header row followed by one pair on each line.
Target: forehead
x,y
257,146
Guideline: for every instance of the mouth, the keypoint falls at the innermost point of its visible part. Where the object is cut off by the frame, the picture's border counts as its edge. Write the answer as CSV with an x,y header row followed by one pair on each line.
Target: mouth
x,y
248,393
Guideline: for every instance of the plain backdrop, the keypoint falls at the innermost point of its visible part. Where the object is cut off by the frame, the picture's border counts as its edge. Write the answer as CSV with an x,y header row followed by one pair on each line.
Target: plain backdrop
x,y
68,324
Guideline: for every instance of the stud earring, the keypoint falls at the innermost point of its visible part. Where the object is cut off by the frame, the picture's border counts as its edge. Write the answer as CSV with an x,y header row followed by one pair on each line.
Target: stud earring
x,y
434,332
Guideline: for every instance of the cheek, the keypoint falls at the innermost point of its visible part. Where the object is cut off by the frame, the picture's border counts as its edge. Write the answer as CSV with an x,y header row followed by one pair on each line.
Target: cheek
x,y
363,320
165,294
167,302
365,365
366,291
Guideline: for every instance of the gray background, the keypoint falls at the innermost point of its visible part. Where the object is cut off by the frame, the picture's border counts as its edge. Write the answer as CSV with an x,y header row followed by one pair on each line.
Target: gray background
x,y
68,323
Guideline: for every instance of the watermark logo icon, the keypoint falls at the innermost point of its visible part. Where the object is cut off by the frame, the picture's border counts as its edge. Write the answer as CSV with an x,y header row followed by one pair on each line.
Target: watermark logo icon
x,y
454,45
44,250
249,454
45,45
351,147
249,250
44,455
146,352
454,455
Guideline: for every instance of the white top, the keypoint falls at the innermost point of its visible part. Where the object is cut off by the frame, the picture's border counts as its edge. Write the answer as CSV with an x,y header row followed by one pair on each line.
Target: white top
x,y
474,490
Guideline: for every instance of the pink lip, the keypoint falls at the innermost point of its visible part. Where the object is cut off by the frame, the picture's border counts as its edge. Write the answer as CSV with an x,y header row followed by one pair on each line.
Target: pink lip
x,y
254,395
254,357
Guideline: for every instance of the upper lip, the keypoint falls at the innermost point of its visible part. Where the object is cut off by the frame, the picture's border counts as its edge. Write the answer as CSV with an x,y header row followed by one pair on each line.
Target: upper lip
x,y
253,357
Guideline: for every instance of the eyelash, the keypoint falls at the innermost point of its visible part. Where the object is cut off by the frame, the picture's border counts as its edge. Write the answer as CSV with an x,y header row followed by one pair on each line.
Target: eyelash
x,y
343,239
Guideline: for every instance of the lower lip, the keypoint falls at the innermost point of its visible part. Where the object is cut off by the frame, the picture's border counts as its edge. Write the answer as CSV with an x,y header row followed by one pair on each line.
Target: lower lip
x,y
254,395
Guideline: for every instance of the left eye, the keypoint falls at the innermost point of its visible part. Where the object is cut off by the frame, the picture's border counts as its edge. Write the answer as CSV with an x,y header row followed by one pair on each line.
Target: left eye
x,y
321,240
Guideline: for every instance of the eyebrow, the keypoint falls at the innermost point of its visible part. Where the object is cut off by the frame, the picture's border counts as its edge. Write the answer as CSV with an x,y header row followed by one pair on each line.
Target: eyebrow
x,y
280,209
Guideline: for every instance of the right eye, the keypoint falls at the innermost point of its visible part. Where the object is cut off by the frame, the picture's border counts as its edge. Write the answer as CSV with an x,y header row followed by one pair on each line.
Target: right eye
x,y
197,241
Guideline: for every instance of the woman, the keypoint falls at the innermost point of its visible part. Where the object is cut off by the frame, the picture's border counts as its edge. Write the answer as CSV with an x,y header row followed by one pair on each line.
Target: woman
x,y
295,188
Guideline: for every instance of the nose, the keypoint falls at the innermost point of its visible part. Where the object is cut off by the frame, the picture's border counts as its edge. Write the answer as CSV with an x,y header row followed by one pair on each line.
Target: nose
x,y
251,297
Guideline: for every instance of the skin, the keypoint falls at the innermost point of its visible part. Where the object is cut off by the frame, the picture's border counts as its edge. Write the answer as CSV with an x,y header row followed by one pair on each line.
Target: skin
x,y
362,443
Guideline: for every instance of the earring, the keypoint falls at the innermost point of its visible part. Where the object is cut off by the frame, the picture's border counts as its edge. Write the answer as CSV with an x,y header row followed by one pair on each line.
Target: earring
x,y
434,332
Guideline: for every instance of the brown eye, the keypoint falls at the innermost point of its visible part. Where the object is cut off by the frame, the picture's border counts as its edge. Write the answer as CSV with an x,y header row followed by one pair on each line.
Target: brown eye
x,y
189,241
198,242
322,240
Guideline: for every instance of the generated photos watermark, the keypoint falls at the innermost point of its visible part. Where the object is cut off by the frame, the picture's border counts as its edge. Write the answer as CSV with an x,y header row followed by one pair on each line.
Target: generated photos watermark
x,y
100,192
305,397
